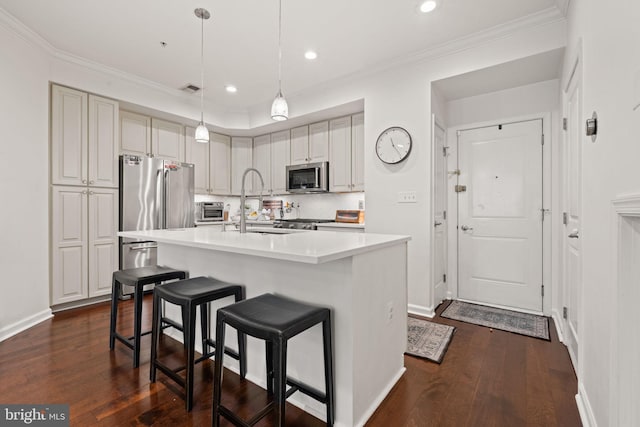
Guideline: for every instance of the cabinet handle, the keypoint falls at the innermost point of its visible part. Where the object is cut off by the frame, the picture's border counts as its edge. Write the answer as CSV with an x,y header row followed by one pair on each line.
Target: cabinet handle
x,y
84,181
91,193
90,182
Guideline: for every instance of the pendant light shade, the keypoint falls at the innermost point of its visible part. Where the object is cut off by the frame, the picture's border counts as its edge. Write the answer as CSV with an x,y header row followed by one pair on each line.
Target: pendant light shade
x,y
202,133
279,108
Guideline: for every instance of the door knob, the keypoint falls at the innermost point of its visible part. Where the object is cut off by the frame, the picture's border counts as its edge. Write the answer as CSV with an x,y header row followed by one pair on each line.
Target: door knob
x,y
466,228
575,234
437,223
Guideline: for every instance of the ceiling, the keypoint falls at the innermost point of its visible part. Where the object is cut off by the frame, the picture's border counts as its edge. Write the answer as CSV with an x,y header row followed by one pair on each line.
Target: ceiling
x,y
241,44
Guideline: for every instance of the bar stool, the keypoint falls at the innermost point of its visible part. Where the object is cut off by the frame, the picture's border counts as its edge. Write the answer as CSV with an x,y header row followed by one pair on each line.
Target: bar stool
x,y
189,294
274,319
138,278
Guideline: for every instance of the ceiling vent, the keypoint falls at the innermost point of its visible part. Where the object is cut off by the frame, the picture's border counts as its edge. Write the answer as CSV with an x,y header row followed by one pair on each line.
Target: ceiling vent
x,y
191,88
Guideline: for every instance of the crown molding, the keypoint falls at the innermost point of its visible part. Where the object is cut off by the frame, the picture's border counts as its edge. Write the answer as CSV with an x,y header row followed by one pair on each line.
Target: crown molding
x,y
12,24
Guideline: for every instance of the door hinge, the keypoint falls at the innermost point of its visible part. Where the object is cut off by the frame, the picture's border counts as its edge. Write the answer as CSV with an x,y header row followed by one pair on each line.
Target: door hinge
x,y
543,212
542,290
460,188
445,151
444,277
454,172
565,312
444,214
565,123
565,218
543,139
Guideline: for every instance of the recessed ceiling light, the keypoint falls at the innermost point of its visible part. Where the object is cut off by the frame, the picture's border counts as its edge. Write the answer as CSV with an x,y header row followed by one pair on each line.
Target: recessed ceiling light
x,y
310,54
428,6
231,88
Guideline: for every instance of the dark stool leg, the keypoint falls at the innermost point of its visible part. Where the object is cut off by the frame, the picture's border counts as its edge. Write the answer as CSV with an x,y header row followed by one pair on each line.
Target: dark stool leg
x,y
115,291
328,370
280,376
137,328
156,328
242,342
189,326
268,351
217,372
205,321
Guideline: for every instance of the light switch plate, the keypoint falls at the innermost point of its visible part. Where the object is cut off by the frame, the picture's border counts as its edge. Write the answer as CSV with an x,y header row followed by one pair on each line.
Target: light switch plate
x,y
407,197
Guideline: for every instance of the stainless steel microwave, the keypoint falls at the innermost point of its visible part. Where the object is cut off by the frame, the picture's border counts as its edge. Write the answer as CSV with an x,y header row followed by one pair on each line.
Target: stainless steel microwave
x,y
308,178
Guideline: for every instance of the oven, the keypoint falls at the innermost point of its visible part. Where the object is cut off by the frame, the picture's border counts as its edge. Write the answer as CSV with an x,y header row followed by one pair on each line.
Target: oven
x,y
209,211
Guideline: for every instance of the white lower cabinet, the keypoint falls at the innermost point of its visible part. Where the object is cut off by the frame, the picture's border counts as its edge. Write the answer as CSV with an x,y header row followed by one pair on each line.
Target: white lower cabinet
x,y
84,242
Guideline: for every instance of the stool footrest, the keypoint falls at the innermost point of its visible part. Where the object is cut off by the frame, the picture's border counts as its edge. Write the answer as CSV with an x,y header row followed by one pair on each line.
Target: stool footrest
x,y
172,373
242,423
168,323
228,351
124,340
305,389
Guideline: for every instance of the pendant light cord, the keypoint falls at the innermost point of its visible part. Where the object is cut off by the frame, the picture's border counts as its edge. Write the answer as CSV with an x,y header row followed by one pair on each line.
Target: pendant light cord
x,y
202,68
280,48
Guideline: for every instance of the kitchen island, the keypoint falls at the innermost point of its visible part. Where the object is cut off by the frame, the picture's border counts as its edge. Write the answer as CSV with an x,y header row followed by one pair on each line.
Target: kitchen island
x,y
361,277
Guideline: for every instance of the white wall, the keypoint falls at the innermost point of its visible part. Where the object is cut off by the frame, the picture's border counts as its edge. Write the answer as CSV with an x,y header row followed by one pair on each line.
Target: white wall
x,y
610,37
24,138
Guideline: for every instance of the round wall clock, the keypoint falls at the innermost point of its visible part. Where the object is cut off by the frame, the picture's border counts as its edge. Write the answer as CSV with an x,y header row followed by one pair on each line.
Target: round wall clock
x,y
393,145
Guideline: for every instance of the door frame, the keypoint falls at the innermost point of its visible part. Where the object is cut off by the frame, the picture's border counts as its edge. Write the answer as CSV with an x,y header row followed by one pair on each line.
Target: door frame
x,y
547,181
435,121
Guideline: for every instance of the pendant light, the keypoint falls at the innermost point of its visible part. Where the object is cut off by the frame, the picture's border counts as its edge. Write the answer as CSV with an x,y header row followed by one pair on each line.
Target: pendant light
x,y
202,133
279,108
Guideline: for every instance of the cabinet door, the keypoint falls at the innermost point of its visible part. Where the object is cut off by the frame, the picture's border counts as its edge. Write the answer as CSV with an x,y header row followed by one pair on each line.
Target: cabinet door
x,y
241,159
299,145
262,162
319,142
167,140
103,239
68,136
220,164
340,154
68,244
198,154
280,158
135,134
357,152
103,142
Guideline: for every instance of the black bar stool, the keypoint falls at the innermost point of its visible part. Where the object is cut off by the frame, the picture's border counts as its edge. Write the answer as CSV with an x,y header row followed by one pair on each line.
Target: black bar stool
x,y
138,278
189,294
274,319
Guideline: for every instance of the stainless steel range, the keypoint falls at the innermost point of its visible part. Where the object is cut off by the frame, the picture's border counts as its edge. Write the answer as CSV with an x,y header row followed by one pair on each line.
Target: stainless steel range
x,y
300,223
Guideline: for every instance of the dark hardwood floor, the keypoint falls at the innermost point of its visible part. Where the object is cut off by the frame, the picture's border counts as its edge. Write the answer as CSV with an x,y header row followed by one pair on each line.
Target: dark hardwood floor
x,y
486,379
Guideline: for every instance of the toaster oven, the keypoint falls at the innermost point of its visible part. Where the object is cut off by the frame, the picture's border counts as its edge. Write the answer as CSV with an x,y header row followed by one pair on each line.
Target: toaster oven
x,y
209,211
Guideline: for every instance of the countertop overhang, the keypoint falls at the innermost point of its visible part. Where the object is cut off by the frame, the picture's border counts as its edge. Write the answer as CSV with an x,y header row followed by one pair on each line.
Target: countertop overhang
x,y
313,247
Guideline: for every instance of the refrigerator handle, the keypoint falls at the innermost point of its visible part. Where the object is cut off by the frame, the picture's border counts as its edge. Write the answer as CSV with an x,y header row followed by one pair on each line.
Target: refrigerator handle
x,y
159,209
165,198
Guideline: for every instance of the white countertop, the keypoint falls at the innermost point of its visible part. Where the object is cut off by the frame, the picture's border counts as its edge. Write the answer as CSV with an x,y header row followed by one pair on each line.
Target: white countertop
x,y
315,247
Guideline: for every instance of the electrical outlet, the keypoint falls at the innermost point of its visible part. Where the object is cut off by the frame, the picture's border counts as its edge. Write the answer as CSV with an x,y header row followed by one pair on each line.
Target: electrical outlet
x,y
407,197
361,204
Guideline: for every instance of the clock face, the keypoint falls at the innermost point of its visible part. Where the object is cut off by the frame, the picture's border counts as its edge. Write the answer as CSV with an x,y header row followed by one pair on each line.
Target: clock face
x,y
393,145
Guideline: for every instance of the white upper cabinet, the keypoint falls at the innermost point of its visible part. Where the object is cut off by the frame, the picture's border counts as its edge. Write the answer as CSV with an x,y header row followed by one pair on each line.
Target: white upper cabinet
x,y
167,140
135,134
241,159
280,158
357,152
220,164
198,154
310,144
319,142
84,133
262,162
103,142
340,154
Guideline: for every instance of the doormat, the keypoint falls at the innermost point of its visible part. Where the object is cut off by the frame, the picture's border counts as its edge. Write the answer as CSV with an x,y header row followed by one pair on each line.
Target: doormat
x,y
427,339
530,325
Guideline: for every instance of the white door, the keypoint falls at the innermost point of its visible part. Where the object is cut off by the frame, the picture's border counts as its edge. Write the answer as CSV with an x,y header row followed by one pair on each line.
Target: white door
x,y
103,142
572,174
500,215
439,215
103,239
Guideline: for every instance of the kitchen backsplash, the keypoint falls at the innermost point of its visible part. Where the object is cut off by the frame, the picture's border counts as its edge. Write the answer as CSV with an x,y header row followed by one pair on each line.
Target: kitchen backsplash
x,y
317,206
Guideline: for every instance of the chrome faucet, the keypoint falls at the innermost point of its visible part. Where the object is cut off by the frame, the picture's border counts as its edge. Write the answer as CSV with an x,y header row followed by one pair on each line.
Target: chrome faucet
x,y
243,219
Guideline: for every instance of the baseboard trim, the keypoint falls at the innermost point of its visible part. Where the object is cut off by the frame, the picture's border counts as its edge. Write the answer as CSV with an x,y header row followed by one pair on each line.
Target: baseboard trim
x,y
369,412
24,324
556,321
584,408
419,310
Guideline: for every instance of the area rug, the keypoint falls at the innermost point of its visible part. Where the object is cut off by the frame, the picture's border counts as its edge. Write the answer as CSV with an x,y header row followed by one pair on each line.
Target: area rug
x,y
427,339
506,320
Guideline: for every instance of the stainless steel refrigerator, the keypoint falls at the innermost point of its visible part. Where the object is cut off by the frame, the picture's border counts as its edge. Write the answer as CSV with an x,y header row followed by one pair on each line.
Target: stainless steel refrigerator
x,y
154,194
